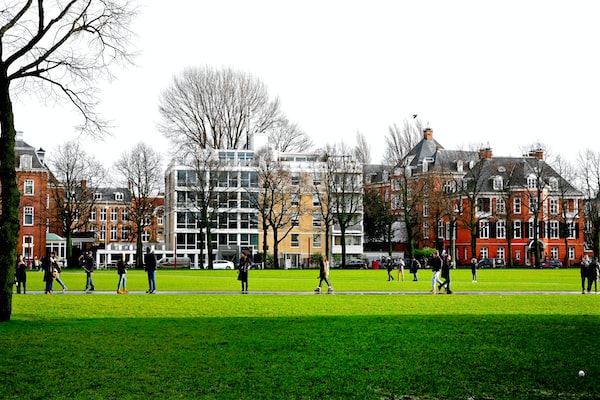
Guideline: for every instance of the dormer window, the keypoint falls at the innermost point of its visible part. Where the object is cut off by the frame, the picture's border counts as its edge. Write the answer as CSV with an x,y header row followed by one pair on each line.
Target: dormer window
x,y
97,196
26,161
531,182
553,182
119,196
497,183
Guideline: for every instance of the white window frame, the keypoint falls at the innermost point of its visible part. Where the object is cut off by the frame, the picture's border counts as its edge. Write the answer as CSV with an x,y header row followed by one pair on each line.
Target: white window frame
x,y
28,187
28,216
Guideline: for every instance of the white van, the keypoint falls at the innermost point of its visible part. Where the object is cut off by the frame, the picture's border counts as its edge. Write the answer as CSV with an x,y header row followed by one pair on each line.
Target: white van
x,y
174,262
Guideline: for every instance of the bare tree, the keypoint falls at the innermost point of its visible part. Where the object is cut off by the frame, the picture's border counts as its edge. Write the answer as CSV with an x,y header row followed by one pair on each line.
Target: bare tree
x,y
77,176
589,172
345,191
141,169
278,202
362,151
567,214
287,137
216,108
401,140
57,50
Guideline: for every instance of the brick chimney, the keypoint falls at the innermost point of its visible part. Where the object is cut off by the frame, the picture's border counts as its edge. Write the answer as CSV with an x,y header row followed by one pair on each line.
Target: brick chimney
x,y
485,153
428,134
537,153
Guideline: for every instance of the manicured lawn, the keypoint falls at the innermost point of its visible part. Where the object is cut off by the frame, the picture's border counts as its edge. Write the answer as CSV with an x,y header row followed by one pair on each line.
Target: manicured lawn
x,y
299,346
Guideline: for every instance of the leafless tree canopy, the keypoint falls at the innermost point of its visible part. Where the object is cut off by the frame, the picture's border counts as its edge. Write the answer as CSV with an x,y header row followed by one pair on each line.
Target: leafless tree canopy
x,y
362,152
285,136
401,140
216,108
78,176
58,50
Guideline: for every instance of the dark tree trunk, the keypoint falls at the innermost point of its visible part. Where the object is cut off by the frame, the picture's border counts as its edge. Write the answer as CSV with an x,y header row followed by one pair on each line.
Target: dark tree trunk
x,y
9,214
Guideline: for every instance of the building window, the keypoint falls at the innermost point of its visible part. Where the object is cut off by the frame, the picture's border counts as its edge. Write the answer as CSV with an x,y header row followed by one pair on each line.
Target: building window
x,y
449,187
232,223
28,216
295,179
554,230
497,183
28,187
114,216
124,234
316,240
518,255
517,231
295,199
316,201
119,196
102,233
97,196
113,234
554,206
145,236
483,205
500,206
501,229
93,215
533,204
483,253
124,215
500,253
425,208
440,229
160,219
517,205
484,230
554,253
295,221
425,229
317,179
295,240
244,221
103,212
316,221
531,182
571,252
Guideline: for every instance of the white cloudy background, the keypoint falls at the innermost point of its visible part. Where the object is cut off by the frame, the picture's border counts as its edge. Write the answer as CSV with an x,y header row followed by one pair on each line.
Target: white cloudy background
x,y
503,73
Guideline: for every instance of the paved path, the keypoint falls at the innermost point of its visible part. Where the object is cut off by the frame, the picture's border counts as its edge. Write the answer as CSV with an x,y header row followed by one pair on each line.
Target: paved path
x,y
312,293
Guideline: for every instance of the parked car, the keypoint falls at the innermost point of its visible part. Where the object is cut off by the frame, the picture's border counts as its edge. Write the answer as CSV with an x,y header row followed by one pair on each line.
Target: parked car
x,y
551,264
353,264
221,264
490,263
174,262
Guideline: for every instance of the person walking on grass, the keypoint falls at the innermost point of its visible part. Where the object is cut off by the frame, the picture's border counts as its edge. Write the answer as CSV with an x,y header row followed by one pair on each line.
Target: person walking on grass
x,y
446,264
87,263
593,272
400,269
324,275
436,267
474,269
243,268
584,272
122,271
414,268
21,274
150,268
57,270
389,265
48,273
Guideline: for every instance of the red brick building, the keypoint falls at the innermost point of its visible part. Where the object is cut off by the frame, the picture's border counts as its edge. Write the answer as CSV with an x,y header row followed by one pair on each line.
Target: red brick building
x,y
470,202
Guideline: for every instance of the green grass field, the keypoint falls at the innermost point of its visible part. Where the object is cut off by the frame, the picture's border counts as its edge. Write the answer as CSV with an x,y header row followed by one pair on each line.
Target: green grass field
x,y
482,343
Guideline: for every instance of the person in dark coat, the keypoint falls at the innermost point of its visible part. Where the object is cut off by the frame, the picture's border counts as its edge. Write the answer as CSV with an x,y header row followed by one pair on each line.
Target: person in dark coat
x,y
21,274
150,268
474,269
436,267
593,271
87,264
389,265
122,271
446,264
414,268
243,268
48,273
324,275
583,271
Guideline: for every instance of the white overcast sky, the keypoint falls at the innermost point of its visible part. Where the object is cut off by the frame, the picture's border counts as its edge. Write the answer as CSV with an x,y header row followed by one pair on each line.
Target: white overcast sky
x,y
505,73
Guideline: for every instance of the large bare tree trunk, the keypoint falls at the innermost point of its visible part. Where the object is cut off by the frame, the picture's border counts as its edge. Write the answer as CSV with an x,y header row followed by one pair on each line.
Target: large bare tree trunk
x,y
9,217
